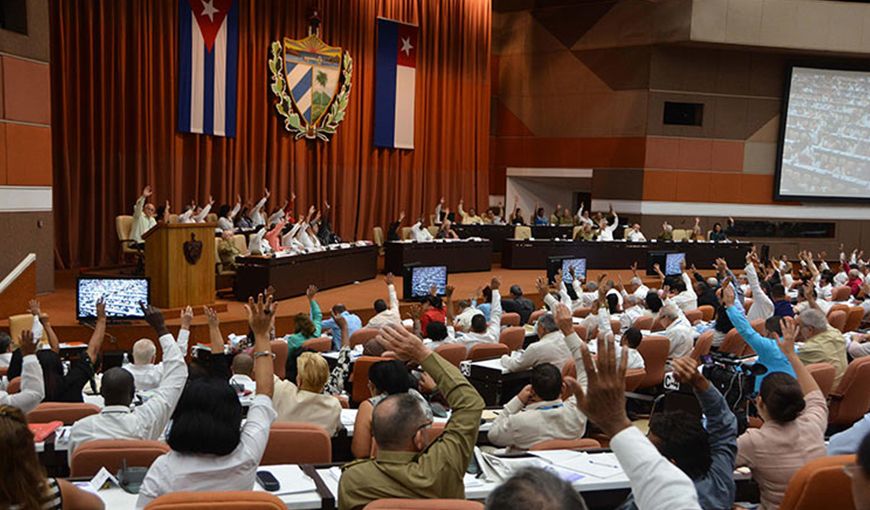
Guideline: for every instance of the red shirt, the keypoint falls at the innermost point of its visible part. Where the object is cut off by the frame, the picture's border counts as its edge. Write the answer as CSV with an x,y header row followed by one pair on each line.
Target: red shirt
x,y
855,285
431,315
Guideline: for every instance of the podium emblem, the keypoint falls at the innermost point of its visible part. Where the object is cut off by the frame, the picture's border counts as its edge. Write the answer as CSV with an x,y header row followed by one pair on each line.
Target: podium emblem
x,y
192,250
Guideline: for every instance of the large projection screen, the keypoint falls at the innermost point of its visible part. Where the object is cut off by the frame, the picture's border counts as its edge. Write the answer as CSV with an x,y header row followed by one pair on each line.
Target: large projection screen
x,y
824,152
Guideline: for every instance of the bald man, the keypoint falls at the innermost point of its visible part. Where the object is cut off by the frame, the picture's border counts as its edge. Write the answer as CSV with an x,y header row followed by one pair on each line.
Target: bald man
x,y
243,371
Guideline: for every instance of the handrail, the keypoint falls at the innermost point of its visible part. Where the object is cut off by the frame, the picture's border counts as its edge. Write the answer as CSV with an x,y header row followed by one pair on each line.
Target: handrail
x,y
18,271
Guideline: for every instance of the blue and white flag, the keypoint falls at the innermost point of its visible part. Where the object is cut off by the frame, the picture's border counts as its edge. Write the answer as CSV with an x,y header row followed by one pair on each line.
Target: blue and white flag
x,y
395,82
208,55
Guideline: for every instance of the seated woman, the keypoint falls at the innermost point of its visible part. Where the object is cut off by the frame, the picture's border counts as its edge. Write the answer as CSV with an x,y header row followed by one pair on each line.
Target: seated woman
x,y
385,378
717,234
517,217
24,484
305,401
211,451
307,327
445,231
795,418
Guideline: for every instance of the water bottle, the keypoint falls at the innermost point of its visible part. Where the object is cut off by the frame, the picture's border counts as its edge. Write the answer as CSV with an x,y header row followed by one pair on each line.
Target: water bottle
x,y
126,360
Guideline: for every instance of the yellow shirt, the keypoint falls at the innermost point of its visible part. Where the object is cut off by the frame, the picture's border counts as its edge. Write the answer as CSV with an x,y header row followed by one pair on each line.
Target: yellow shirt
x,y
826,347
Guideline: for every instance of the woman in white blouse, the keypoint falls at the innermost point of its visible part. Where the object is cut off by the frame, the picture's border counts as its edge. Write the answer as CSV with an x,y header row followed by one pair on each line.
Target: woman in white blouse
x,y
211,451
305,401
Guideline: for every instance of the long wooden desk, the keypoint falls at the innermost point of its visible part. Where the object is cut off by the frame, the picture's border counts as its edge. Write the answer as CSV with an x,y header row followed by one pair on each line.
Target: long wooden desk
x,y
291,275
499,233
458,256
617,254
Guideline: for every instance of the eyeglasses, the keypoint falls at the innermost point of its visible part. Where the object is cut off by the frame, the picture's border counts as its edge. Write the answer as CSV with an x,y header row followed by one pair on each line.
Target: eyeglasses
x,y
427,425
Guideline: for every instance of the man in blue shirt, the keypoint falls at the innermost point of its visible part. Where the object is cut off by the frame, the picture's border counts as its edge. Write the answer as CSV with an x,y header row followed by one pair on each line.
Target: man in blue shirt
x,y
768,352
848,441
353,324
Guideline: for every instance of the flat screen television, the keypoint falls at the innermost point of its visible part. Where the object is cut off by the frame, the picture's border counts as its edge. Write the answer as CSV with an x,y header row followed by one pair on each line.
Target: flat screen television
x,y
123,296
672,263
554,264
418,280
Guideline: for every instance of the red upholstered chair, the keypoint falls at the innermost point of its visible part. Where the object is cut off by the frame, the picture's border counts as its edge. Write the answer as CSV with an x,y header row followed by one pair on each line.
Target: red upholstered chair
x,y
821,483
851,399
91,456
707,312
230,500
838,320
454,353
657,325
839,307
359,378
487,351
824,374
510,319
841,293
279,362
566,444
297,443
66,412
424,504
322,344
854,318
513,338
536,315
363,335
633,378
643,323
654,349
694,315
702,345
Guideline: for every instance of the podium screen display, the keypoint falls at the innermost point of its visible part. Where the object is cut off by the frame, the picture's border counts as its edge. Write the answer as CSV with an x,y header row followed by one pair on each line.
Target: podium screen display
x,y
122,297
420,279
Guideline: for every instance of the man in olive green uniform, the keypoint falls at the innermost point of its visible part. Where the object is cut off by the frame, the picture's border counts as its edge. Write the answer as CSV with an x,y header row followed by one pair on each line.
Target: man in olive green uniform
x,y
405,467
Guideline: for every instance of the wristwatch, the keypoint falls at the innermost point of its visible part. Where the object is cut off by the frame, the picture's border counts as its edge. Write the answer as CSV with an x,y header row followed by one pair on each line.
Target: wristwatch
x,y
259,354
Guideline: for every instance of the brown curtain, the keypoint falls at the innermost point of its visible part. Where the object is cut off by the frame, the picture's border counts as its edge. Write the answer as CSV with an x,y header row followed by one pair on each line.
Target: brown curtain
x,y
114,66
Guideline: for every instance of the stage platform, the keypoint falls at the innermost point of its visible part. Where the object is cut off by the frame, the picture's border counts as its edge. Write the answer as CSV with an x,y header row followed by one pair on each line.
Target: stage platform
x,y
358,298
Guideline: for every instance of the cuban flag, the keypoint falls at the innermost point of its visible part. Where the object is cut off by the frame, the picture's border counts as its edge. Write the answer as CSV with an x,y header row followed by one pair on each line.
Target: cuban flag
x,y
208,55
395,80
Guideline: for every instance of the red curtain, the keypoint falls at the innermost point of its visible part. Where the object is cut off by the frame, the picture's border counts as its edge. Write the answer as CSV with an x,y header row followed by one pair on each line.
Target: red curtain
x,y
114,66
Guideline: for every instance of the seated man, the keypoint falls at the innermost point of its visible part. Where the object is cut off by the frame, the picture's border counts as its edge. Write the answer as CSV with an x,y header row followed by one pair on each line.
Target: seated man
x,y
243,374
781,303
534,487
518,304
682,291
481,331
822,343
706,453
228,251
550,348
32,385
118,420
353,323
146,374
386,314
678,331
407,466
420,233
634,234
470,217
538,413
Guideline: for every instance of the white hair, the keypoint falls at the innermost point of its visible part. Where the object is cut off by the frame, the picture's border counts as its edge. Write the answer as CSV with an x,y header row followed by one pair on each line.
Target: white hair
x,y
814,319
636,281
144,351
712,281
670,312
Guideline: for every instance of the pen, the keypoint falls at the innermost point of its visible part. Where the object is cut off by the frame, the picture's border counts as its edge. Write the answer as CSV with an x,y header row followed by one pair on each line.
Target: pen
x,y
603,464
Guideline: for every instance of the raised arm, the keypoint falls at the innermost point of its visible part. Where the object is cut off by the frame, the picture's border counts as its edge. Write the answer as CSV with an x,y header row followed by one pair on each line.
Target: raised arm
x,y
448,295
200,218
261,320
391,291
786,345
96,341
53,341
139,206
32,385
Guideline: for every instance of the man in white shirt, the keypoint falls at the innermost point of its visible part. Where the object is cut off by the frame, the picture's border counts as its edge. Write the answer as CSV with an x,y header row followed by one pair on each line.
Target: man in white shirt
x,y
226,215
257,244
683,292
605,232
32,386
256,214
243,371
193,215
634,234
481,332
386,314
5,352
632,312
147,374
538,413
420,233
762,306
143,217
677,331
117,420
550,348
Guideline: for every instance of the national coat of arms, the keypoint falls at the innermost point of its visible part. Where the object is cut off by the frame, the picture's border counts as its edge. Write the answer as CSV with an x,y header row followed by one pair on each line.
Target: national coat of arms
x,y
192,250
312,82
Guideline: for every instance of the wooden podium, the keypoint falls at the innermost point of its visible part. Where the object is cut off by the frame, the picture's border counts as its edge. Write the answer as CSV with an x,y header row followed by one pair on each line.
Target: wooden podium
x,y
180,262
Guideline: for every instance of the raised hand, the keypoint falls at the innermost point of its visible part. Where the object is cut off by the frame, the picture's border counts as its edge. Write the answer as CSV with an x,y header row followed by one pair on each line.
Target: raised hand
x,y
404,344
389,278
525,394
261,315
448,290
727,295
186,317
603,401
154,317
563,319
495,283
415,311
147,191
789,335
33,308
266,193
541,285
212,316
210,200
26,343
686,370
310,292
101,309
340,320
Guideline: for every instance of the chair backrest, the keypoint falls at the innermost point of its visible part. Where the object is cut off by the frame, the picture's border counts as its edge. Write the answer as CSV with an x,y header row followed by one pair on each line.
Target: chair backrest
x,y
680,234
297,443
17,324
522,232
656,325
211,218
406,233
513,337
580,329
566,444
582,312
694,315
838,307
536,315
821,483
123,227
510,319
854,318
707,312
433,229
633,378
230,500
322,344
851,399
654,349
838,320
841,293
14,385
67,412
454,353
362,335
173,219
702,345
241,244
424,504
824,374
279,362
359,378
733,343
575,231
643,323
111,454
487,351
378,236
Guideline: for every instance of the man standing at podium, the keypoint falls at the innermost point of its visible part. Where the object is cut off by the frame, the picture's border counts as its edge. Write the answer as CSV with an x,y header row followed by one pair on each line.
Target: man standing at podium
x,y
143,218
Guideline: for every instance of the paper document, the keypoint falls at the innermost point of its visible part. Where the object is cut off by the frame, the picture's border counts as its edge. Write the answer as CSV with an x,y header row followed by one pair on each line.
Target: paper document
x,y
291,478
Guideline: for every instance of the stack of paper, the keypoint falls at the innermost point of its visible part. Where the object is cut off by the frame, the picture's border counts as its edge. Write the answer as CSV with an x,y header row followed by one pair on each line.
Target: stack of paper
x,y
291,478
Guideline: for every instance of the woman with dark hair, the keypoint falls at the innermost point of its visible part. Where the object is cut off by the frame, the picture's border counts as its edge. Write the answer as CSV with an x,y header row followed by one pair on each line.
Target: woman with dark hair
x,y
385,378
211,451
795,417
541,217
517,217
23,484
717,234
653,302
